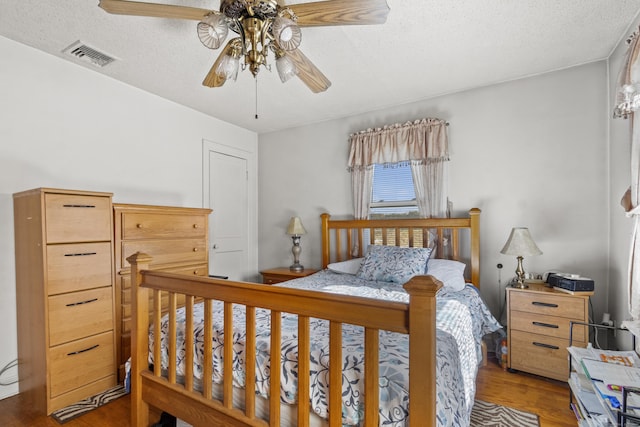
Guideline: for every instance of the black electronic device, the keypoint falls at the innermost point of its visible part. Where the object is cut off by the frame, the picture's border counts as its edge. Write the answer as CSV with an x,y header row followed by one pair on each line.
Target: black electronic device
x,y
570,282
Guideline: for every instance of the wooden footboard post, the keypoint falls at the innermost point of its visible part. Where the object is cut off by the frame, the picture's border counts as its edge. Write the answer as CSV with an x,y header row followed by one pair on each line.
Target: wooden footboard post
x,y
139,338
422,350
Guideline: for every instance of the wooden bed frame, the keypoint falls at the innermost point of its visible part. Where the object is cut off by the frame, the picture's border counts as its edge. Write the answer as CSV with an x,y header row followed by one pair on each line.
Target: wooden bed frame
x,y
416,318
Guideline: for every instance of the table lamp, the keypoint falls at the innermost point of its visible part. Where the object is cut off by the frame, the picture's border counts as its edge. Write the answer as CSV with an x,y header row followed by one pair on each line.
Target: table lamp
x,y
296,230
521,244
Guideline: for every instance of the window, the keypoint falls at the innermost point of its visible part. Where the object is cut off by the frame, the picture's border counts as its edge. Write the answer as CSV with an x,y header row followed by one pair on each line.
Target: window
x,y
393,193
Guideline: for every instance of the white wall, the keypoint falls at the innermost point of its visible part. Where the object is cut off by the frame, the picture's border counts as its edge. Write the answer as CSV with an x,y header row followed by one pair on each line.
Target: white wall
x,y
64,126
531,152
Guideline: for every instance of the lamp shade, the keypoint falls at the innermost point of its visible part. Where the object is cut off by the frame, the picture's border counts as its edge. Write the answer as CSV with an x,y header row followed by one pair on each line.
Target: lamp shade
x,y
520,243
295,227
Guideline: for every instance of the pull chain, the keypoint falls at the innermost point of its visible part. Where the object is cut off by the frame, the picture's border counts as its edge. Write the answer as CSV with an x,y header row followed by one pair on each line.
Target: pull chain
x,y
256,98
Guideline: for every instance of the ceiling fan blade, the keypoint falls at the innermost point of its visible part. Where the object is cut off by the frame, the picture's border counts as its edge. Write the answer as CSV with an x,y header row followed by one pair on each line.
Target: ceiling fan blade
x,y
341,12
123,7
309,73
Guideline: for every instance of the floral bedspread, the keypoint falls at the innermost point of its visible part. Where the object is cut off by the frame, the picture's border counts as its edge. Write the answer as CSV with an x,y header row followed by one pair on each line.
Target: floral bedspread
x,y
462,319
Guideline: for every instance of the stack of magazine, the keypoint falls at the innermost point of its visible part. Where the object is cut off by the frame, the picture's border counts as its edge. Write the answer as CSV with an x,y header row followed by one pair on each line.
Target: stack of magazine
x,y
598,379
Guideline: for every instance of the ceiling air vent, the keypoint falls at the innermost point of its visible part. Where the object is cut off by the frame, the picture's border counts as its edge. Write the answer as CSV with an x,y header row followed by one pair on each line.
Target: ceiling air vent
x,y
86,53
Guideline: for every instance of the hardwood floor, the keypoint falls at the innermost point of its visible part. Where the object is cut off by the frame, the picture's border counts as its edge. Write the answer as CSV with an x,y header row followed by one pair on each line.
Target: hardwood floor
x,y
547,398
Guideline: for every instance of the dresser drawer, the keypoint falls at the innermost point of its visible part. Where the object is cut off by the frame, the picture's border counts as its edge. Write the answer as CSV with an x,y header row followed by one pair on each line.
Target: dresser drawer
x,y
553,326
73,267
80,362
167,251
77,218
162,225
539,354
80,314
548,304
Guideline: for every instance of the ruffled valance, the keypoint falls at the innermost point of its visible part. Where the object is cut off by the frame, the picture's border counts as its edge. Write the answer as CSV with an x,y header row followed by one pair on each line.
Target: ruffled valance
x,y
420,142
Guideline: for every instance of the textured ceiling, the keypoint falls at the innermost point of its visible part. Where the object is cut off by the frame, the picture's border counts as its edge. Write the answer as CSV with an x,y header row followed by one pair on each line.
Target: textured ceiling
x,y
426,48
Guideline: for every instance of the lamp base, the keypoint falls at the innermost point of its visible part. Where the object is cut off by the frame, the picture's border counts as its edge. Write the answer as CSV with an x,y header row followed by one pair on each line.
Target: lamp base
x,y
296,267
519,285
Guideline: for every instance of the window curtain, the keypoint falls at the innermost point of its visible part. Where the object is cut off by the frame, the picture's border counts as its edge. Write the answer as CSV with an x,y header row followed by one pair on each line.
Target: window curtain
x,y
627,103
424,144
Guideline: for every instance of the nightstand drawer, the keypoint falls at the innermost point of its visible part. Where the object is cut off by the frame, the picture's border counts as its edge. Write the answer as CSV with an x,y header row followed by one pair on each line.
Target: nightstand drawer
x,y
539,354
553,326
548,304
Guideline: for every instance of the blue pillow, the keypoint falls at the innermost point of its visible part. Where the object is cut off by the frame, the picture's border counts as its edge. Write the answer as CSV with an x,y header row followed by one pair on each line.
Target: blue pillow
x,y
393,264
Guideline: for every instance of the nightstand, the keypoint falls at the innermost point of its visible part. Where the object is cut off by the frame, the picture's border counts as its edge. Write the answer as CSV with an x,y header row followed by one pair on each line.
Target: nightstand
x,y
538,328
282,274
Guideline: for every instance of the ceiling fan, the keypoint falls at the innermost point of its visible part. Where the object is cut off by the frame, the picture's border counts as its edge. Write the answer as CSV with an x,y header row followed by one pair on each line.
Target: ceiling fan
x,y
262,27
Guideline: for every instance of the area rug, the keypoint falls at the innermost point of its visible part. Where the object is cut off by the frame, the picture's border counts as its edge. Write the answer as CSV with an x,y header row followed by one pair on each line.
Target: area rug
x,y
80,408
486,414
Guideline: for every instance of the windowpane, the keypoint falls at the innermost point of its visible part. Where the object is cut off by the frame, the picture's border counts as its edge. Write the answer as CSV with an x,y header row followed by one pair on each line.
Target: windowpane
x,y
393,193
392,184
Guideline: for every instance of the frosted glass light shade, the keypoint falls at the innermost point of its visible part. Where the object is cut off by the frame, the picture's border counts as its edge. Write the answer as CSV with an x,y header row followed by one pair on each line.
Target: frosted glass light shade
x,y
286,68
520,243
228,67
212,31
287,33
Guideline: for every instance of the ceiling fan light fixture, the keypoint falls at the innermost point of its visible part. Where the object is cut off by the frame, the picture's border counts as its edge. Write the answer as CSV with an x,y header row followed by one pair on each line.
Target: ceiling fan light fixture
x,y
287,33
228,67
213,30
286,68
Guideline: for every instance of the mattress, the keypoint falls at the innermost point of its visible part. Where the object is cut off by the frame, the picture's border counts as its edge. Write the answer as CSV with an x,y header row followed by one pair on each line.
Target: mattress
x,y
462,320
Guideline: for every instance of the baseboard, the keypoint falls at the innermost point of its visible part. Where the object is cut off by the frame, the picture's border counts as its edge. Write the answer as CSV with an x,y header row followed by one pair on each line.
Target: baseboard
x,y
9,390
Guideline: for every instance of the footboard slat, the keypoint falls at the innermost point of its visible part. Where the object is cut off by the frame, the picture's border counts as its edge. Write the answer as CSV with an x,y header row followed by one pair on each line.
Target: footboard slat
x,y
188,336
227,373
157,343
303,371
335,374
275,369
208,350
173,306
250,364
372,373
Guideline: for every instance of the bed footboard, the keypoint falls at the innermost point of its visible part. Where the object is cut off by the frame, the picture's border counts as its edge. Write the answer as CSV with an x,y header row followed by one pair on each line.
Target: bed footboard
x,y
197,406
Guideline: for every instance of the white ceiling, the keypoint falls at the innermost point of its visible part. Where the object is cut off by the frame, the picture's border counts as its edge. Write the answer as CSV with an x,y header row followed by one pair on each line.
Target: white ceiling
x,y
426,48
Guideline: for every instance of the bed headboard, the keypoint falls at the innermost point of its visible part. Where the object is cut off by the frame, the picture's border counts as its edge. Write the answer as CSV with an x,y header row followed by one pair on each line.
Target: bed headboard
x,y
452,238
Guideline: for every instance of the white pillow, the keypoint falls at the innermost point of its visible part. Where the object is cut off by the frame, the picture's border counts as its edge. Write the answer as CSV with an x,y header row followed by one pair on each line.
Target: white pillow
x,y
449,272
346,267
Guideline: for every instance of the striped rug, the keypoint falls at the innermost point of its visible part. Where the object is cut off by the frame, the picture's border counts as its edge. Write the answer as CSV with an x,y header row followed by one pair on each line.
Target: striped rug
x,y
486,414
74,411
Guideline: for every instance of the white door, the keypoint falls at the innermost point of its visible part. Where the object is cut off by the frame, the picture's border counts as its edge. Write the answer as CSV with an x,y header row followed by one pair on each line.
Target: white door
x,y
226,171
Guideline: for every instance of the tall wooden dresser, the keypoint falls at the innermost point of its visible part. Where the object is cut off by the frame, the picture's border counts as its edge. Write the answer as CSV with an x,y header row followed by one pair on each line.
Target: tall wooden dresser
x,y
178,240
64,293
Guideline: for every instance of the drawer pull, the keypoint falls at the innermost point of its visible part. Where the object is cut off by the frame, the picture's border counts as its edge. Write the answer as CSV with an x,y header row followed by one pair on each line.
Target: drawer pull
x,y
139,225
545,304
73,353
82,302
552,347
82,254
79,206
545,325
195,225
195,249
195,272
